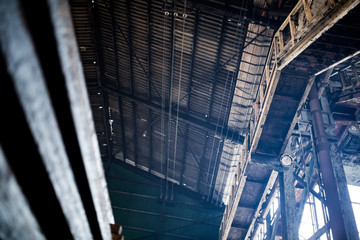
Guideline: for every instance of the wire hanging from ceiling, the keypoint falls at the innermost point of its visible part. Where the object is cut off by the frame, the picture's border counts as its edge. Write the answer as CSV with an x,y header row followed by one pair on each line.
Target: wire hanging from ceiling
x,y
162,101
233,77
217,127
241,16
218,195
168,134
178,98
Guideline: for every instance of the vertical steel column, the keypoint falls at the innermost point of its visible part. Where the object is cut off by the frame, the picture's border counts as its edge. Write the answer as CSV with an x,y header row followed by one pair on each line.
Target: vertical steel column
x,y
269,228
322,147
346,207
289,225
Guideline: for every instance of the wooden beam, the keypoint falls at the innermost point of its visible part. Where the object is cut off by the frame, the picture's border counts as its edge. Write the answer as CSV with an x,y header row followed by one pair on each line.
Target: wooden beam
x,y
13,202
265,109
322,21
43,64
82,118
292,30
307,10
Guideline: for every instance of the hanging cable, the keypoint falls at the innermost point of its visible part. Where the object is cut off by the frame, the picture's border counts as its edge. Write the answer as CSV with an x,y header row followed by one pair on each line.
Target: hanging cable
x,y
232,82
172,54
178,98
162,102
217,125
219,144
226,109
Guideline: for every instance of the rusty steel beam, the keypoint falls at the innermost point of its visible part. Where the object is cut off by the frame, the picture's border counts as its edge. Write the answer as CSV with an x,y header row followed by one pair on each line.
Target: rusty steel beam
x,y
322,147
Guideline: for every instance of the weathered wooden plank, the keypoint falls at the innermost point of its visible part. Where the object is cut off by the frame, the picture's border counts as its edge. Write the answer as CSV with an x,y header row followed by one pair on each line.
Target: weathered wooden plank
x,y
24,69
16,218
268,99
281,39
81,112
307,10
292,31
322,21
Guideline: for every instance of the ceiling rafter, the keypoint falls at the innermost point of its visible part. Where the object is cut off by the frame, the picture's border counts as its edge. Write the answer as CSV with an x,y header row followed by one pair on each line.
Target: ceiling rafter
x,y
184,157
122,128
113,28
149,36
129,30
100,75
214,79
136,145
201,164
151,158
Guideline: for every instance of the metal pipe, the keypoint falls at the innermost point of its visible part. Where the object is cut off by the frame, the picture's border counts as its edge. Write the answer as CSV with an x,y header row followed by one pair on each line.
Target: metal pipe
x,y
323,151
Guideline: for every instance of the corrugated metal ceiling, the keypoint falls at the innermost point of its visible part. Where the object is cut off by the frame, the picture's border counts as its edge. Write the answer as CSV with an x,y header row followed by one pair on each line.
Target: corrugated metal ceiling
x,y
163,79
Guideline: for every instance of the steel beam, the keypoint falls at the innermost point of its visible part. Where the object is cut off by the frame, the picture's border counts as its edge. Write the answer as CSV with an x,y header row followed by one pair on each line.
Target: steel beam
x,y
275,225
289,224
346,206
270,184
269,228
319,233
337,221
305,192
266,161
